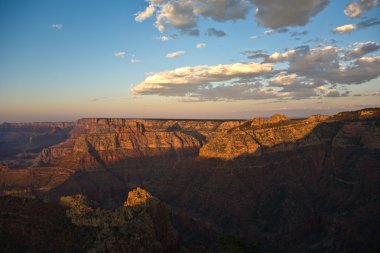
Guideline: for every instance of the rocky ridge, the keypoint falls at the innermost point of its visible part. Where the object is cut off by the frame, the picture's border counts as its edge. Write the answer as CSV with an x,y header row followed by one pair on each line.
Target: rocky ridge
x,y
279,133
105,142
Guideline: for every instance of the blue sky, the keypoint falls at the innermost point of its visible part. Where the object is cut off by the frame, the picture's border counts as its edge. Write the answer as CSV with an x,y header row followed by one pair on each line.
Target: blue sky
x,y
63,60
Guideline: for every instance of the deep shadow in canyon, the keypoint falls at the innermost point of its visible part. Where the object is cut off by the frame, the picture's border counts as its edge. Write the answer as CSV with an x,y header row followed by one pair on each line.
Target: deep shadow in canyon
x,y
256,186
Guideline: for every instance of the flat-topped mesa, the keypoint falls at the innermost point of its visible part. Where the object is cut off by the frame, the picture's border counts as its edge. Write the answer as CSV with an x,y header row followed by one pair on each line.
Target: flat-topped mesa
x,y
103,142
280,134
92,125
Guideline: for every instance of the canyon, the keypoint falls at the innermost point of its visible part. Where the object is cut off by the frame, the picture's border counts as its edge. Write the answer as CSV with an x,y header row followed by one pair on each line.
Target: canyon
x,y
256,185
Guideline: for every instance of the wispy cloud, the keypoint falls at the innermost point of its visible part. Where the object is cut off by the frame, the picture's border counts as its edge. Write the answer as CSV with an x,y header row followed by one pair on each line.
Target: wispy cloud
x,y
97,99
166,38
295,34
134,60
175,54
120,54
57,26
361,25
277,30
215,33
368,23
268,32
147,13
200,45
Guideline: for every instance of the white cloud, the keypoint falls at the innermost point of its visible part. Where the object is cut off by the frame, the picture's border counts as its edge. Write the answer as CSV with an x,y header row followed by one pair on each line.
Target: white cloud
x,y
284,79
181,81
324,71
175,54
165,38
177,14
244,91
268,32
134,60
285,56
120,54
147,13
281,57
355,9
344,28
200,45
57,26
282,13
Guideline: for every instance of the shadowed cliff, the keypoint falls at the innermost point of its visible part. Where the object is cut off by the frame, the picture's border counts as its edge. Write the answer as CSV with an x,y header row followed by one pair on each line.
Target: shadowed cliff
x,y
296,185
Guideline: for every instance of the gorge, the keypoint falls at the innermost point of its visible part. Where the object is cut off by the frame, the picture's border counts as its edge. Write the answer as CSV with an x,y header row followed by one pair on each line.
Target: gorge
x,y
257,185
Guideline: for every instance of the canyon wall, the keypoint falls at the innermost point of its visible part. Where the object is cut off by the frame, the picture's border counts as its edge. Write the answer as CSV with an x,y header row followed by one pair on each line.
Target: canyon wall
x,y
107,142
303,185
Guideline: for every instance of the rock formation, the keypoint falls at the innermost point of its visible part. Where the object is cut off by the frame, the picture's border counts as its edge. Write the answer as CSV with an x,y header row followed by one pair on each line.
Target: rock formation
x,y
278,133
105,142
294,185
141,225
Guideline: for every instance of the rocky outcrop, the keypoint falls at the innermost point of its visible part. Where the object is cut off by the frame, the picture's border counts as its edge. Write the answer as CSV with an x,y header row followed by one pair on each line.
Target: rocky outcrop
x,y
278,133
30,225
141,225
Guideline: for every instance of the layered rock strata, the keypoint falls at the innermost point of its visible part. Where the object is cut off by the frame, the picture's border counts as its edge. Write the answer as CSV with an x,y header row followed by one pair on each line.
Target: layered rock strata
x,y
279,133
106,142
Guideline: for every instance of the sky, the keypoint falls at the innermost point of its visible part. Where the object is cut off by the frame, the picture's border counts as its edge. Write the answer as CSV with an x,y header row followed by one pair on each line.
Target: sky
x,y
61,60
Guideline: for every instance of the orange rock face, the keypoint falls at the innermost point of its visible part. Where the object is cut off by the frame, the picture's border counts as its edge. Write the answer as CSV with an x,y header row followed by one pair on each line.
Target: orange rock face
x,y
104,142
280,134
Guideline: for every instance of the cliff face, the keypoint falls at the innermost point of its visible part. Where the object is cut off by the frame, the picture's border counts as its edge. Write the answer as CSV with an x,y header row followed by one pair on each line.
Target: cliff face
x,y
308,185
278,133
106,142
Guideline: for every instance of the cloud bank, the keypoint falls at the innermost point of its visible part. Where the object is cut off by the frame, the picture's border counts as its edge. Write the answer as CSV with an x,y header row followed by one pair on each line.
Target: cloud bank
x,y
324,71
184,15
